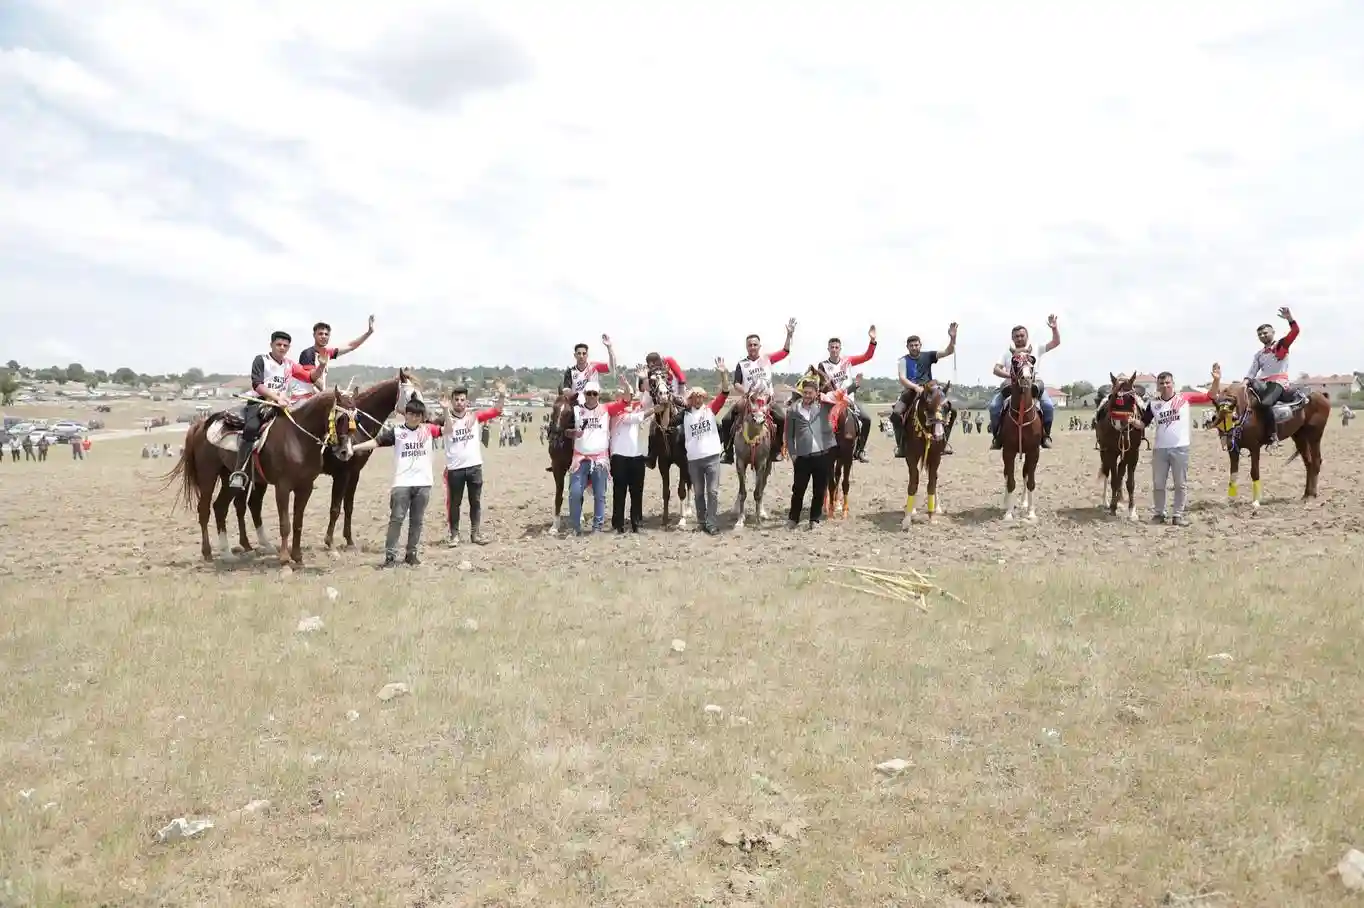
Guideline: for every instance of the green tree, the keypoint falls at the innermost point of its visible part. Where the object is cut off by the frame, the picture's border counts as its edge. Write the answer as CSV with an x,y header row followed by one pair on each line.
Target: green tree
x,y
192,376
101,376
9,383
13,366
125,376
75,372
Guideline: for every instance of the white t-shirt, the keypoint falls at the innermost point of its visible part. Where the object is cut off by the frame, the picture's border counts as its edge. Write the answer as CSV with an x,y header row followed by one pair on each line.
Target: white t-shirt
x,y
412,455
701,433
757,373
625,433
463,445
594,424
277,375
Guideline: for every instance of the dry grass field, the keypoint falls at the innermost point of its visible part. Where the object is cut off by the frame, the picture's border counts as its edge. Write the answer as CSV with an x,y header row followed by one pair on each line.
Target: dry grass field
x,y
1117,714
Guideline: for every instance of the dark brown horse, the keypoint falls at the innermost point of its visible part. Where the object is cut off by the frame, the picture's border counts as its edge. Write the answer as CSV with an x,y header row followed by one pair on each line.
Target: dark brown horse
x,y
560,445
1020,431
1119,435
1300,415
373,406
925,435
290,459
666,447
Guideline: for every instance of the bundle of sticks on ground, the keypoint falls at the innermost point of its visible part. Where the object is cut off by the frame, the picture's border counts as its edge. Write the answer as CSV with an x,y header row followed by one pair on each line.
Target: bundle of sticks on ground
x,y
903,586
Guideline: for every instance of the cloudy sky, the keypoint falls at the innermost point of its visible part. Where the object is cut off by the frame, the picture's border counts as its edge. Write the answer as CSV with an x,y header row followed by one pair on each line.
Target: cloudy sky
x,y
497,181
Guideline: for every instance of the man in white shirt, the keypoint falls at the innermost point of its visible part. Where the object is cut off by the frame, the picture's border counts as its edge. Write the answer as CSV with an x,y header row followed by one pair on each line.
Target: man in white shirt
x,y
411,491
1172,416
1019,336
628,456
464,461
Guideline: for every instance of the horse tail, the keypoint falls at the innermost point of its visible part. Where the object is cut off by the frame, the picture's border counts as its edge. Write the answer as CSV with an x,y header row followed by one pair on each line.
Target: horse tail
x,y
186,470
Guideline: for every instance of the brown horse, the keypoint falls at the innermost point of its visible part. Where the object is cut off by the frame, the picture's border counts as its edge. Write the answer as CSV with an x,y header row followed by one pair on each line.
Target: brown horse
x,y
1119,435
846,430
753,450
560,446
667,449
289,458
1299,415
1020,431
925,435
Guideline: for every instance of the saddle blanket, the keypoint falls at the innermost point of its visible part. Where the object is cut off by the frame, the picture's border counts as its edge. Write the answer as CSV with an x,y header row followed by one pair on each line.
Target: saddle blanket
x,y
224,433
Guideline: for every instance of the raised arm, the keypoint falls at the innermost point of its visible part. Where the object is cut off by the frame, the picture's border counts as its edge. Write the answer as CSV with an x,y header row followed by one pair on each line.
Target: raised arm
x,y
675,369
785,350
347,348
1055,341
869,352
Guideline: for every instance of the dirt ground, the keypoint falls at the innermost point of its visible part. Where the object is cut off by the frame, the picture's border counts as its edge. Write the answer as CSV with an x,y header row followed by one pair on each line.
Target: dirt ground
x,y
1110,714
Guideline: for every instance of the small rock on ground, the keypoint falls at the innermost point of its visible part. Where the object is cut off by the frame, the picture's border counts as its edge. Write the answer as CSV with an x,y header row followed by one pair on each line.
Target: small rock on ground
x,y
393,690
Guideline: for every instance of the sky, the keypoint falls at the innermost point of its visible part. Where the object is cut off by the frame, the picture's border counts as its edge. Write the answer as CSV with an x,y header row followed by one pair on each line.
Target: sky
x,y
497,181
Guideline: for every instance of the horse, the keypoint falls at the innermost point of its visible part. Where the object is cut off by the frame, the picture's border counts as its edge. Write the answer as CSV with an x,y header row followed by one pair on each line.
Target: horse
x,y
289,458
560,450
925,437
1118,437
846,429
1020,431
753,448
666,447
1299,415
369,408
372,408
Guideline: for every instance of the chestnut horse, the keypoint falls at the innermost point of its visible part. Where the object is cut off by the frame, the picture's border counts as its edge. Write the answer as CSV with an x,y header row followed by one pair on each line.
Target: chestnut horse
x,y
1119,435
1020,431
846,429
925,437
754,445
290,459
560,446
1300,415
666,447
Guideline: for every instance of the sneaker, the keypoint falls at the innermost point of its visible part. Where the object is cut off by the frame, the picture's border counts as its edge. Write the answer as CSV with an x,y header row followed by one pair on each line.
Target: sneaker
x,y
996,443
619,531
861,457
791,524
947,448
1180,521
477,538
727,457
1157,518
389,562
412,560
452,541
1046,441
711,531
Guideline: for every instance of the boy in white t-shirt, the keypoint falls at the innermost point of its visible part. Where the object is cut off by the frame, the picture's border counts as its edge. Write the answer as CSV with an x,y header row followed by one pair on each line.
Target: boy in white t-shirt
x,y
464,461
411,444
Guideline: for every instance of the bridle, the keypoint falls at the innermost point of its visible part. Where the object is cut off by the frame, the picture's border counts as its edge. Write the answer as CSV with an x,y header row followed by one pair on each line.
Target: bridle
x,y
932,400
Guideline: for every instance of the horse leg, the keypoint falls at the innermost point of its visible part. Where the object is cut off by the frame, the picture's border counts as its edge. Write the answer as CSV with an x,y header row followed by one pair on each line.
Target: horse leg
x,y
205,506
1010,483
338,498
742,499
912,489
282,505
558,502
764,470
1314,471
683,497
847,479
1255,477
1030,483
1114,484
264,544
352,484
301,496
1234,457
933,463
1132,460
226,499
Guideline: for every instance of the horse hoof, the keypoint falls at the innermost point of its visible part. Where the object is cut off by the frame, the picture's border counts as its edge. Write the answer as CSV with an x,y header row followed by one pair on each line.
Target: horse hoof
x,y
907,522
739,527
286,569
1031,518
1255,505
1007,518
228,558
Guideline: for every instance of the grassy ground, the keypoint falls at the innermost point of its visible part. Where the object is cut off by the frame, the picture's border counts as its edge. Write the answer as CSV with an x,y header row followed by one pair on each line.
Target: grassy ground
x,y
1073,737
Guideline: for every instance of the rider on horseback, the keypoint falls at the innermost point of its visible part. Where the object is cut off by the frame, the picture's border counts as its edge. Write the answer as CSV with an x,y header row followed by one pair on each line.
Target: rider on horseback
x,y
270,376
753,375
1269,366
300,391
915,371
837,368
581,372
1019,335
671,373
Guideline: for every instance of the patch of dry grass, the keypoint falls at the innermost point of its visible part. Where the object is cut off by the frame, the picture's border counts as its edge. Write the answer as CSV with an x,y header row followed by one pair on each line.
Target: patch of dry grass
x,y
561,754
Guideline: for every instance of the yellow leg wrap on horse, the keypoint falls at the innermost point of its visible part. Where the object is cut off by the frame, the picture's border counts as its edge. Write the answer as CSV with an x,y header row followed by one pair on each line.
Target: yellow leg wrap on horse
x,y
1255,489
1231,490
932,503
909,503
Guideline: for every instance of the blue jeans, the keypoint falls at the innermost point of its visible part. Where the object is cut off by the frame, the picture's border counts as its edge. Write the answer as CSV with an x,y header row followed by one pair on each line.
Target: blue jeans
x,y
593,473
997,410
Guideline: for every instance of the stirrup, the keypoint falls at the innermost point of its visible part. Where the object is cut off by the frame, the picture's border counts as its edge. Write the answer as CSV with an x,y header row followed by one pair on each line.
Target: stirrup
x,y
238,480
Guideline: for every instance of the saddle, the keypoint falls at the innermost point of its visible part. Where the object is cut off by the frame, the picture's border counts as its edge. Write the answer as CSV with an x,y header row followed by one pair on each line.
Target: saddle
x,y
1289,403
224,428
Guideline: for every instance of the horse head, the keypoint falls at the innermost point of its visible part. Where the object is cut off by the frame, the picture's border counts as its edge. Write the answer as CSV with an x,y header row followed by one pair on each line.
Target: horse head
x,y
929,408
408,389
665,407
1022,370
1122,396
1227,409
561,412
341,419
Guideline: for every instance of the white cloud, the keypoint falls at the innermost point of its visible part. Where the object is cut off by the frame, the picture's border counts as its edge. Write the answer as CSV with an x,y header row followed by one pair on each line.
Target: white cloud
x,y
500,181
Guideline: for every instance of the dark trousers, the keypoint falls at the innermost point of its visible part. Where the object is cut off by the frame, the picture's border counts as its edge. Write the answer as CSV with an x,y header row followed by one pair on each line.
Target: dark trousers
x,y
1270,392
457,482
627,477
810,470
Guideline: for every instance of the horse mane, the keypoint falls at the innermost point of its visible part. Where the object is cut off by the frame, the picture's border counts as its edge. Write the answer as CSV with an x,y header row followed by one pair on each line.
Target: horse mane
x,y
562,406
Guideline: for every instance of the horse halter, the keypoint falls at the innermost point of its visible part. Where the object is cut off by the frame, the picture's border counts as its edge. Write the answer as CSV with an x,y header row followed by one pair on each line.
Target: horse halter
x,y
1022,368
931,401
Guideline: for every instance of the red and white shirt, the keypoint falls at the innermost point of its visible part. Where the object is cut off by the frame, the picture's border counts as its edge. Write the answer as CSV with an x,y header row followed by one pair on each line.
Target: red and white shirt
x,y
411,452
756,374
1271,363
593,441
625,434
576,379
840,372
276,375
463,447
1171,418
700,430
